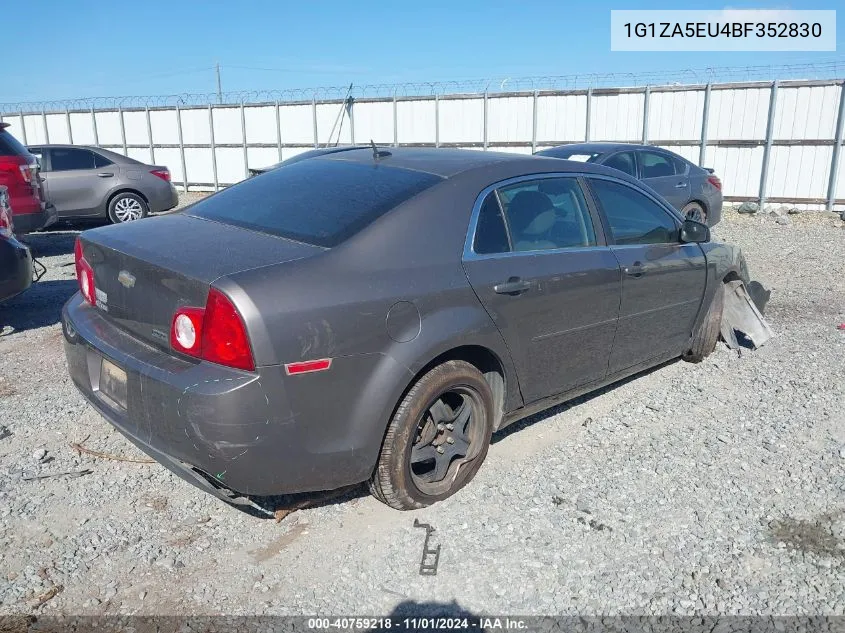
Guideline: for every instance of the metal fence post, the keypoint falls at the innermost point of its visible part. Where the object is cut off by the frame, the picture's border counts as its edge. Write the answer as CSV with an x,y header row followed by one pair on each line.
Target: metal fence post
x,y
243,134
23,129
150,137
44,123
213,147
646,99
278,131
350,103
69,128
770,125
181,148
395,122
534,123
314,114
589,111
94,127
837,149
122,131
702,150
485,119
436,120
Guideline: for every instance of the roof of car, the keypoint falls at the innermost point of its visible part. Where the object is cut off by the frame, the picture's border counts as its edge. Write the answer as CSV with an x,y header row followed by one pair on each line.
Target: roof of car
x,y
597,147
443,162
116,157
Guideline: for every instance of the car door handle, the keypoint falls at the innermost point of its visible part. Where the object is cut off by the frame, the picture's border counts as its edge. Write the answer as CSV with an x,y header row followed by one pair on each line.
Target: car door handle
x,y
680,185
105,174
512,286
634,270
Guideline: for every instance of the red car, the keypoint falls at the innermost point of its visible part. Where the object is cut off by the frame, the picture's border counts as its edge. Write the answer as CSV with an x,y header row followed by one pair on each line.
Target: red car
x,y
19,173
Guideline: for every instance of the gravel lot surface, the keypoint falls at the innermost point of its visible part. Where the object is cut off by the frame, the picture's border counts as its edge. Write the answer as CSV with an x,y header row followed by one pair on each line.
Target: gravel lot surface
x,y
710,488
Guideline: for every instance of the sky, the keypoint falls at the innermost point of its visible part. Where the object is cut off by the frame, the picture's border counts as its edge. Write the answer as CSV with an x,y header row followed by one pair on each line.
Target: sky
x,y
87,48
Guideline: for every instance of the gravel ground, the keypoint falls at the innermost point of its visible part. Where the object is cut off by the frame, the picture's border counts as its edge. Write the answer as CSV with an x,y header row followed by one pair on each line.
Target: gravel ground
x,y
692,489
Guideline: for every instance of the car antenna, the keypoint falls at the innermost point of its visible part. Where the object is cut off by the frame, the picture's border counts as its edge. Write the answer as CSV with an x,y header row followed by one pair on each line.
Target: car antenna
x,y
376,152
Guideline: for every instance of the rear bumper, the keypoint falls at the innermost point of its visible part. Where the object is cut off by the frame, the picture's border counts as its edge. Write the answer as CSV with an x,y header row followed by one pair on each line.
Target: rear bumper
x,y
209,423
15,268
163,198
29,222
714,210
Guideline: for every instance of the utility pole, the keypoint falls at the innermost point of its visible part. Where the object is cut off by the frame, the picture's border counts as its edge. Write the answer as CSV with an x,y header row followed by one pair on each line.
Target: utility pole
x,y
219,88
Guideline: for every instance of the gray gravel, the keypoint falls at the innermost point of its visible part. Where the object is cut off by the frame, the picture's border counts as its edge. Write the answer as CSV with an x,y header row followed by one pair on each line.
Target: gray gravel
x,y
692,489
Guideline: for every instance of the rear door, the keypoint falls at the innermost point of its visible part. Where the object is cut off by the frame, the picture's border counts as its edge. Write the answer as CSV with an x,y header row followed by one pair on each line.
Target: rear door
x,y
548,280
78,180
662,279
666,175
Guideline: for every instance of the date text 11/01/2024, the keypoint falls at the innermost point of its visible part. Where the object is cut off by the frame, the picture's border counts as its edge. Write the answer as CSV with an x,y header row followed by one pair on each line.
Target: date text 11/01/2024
x,y
421,623
724,29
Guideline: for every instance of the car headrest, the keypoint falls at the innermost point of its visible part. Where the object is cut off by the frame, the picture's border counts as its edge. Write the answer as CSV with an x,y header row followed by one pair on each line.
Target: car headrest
x,y
526,207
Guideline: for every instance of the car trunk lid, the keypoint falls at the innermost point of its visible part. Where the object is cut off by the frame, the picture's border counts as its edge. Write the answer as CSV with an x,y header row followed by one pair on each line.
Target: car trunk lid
x,y
145,270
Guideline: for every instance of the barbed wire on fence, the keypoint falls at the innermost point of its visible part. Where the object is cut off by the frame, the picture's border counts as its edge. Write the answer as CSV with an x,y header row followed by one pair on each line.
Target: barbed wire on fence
x,y
830,69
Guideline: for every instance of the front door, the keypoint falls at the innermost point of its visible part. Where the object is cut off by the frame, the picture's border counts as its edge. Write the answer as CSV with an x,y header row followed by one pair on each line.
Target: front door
x,y
662,279
548,281
77,181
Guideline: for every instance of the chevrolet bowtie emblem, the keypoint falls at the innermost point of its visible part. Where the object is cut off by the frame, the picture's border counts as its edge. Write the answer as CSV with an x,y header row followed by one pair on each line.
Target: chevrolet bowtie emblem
x,y
126,279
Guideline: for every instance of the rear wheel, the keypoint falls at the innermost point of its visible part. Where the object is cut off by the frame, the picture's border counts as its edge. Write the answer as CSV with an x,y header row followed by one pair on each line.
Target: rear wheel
x,y
437,439
126,207
705,338
694,211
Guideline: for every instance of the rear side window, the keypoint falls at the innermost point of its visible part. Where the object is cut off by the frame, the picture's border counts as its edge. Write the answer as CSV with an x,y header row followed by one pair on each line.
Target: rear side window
x,y
317,201
656,165
10,146
69,159
491,235
101,161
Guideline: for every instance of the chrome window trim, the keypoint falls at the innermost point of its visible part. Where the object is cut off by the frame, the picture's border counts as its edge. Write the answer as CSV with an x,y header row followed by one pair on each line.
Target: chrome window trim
x,y
469,253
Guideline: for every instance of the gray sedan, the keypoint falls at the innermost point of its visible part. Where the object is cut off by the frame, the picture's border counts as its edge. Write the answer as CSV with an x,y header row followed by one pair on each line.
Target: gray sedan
x,y
694,191
376,314
91,183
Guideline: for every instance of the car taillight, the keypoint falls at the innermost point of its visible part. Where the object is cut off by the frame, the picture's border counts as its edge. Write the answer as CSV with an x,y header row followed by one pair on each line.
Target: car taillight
x,y
17,169
164,174
714,180
215,333
84,274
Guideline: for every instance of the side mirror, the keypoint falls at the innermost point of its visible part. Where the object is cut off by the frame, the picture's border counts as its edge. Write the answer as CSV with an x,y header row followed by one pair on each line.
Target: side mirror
x,y
694,232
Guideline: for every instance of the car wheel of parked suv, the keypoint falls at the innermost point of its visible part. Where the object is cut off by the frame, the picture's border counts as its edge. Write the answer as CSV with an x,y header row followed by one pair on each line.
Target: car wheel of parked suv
x,y
125,207
694,211
437,439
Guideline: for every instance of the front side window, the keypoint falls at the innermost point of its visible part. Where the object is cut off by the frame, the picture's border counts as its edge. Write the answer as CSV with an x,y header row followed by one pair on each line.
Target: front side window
x,y
633,217
655,165
623,161
69,159
541,214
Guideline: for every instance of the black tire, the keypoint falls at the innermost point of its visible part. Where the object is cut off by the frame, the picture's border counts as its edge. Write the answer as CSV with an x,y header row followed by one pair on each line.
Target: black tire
x,y
694,211
127,207
705,338
395,481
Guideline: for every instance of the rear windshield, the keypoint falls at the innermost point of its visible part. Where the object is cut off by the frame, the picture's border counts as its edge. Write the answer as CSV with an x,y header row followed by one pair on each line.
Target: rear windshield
x,y
10,146
316,201
578,155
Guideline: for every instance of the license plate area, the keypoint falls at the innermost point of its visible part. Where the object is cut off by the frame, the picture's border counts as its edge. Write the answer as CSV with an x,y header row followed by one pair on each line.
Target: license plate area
x,y
112,384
